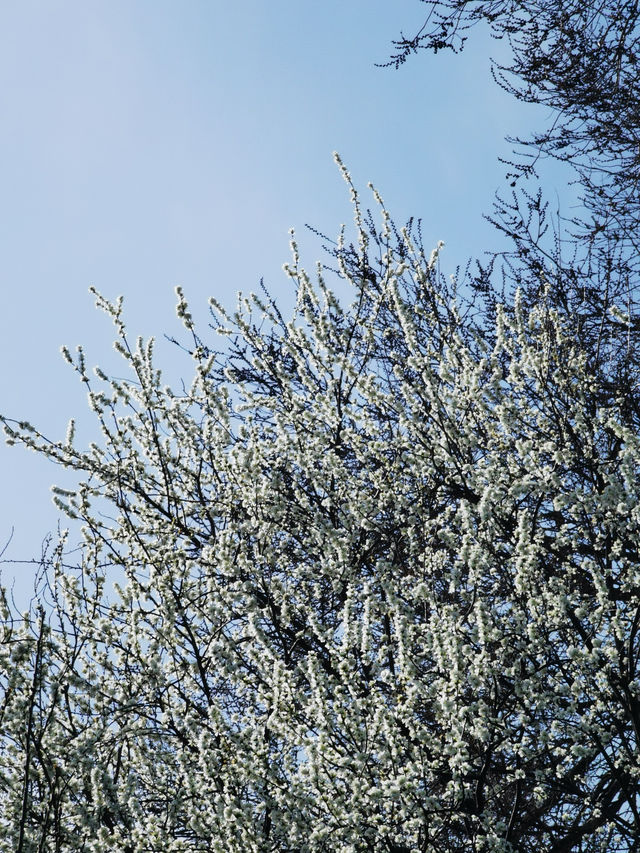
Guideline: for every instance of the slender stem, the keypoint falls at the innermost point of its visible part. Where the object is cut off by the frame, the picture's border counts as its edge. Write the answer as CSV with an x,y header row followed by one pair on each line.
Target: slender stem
x,y
27,757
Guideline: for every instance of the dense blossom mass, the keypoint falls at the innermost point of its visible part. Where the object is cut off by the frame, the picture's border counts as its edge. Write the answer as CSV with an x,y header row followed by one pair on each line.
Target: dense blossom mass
x,y
371,583
378,587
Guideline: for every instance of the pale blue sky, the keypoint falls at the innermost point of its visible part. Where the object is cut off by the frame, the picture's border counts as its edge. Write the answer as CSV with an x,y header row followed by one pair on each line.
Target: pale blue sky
x,y
148,144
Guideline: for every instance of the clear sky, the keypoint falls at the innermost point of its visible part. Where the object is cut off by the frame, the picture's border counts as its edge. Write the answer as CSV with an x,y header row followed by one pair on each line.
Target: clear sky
x,y
148,143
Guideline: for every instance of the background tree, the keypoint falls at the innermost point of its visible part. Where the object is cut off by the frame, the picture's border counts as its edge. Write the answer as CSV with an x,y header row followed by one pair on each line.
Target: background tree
x,y
580,61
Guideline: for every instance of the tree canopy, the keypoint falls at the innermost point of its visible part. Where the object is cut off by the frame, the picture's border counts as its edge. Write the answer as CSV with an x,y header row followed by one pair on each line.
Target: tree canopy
x,y
370,583
580,60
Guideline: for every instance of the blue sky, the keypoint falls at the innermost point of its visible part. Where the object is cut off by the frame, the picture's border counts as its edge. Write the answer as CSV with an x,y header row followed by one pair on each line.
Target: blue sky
x,y
149,144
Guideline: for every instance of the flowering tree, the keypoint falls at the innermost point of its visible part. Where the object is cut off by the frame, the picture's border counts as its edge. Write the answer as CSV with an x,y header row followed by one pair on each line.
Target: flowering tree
x,y
377,585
